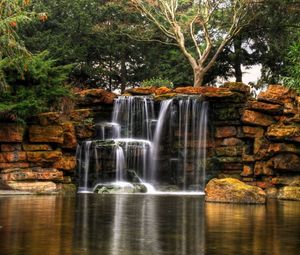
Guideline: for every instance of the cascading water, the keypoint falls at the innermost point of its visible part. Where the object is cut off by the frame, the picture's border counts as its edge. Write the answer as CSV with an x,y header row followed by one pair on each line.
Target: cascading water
x,y
138,146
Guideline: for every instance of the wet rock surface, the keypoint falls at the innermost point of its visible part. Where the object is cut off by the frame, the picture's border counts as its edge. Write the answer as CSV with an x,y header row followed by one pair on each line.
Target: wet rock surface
x,y
230,190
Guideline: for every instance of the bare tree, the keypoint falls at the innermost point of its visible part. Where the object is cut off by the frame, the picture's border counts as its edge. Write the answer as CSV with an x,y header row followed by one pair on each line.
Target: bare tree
x,y
208,24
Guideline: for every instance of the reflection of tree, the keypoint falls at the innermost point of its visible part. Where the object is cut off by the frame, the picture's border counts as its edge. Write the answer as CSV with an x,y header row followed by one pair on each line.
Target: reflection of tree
x,y
36,225
251,229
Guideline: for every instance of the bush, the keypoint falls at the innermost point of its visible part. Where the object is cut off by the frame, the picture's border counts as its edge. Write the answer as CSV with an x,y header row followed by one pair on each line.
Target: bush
x,y
157,82
37,87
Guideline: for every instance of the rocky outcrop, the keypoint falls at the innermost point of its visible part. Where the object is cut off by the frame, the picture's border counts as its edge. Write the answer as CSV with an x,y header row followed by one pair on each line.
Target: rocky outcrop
x,y
289,193
95,97
230,190
46,134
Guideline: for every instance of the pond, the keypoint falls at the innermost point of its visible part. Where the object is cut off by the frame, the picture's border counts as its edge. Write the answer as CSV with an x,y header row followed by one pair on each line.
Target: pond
x,y
145,224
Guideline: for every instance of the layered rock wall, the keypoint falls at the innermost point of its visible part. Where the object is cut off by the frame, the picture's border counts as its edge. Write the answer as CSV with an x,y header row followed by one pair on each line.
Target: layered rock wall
x,y
40,156
254,140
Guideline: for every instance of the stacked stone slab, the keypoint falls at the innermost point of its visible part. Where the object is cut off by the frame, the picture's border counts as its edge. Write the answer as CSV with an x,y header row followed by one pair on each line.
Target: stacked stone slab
x,y
40,157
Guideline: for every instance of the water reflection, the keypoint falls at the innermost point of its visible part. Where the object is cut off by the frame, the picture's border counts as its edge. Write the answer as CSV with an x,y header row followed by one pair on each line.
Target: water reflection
x,y
143,225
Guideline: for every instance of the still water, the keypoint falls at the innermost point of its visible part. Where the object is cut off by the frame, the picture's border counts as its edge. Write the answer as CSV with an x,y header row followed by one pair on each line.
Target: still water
x,y
145,225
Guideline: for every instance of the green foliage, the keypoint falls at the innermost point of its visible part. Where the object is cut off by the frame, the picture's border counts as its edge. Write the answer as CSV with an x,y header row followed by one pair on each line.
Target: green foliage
x,y
157,82
37,88
292,79
12,14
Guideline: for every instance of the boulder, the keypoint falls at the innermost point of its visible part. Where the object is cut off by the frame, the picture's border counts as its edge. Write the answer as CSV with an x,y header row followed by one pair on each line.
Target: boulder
x,y
277,94
33,186
257,118
12,157
43,156
223,132
11,132
265,107
66,163
10,147
4,186
95,96
253,132
46,134
289,193
230,190
31,174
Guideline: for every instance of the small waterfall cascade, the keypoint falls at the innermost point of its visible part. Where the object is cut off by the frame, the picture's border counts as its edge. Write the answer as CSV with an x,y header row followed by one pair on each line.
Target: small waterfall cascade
x,y
154,143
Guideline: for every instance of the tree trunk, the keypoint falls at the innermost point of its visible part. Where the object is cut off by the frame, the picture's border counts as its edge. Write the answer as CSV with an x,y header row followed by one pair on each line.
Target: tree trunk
x,y
238,60
198,77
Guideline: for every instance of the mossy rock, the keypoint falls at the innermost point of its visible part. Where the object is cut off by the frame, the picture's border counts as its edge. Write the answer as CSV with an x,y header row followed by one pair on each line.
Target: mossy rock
x,y
230,190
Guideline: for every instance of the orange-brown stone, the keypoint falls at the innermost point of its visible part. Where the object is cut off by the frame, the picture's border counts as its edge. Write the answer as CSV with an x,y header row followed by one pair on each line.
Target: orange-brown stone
x,y
232,142
257,118
230,190
33,186
265,107
14,165
12,157
162,90
46,134
43,156
84,131
49,118
222,132
70,140
286,162
275,148
262,168
11,133
95,96
34,174
66,163
277,94
281,132
247,171
141,91
189,90
81,115
10,147
36,147
253,132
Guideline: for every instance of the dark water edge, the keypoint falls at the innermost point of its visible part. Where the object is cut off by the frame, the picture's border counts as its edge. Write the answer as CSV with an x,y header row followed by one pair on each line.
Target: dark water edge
x,y
145,224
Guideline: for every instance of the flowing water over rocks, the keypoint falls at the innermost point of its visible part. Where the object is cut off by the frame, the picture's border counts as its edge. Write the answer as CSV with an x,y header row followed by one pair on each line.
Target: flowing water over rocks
x,y
157,143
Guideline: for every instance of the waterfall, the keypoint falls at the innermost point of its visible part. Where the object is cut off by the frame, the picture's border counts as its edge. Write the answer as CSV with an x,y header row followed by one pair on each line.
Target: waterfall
x,y
164,107
139,146
134,115
83,155
192,130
